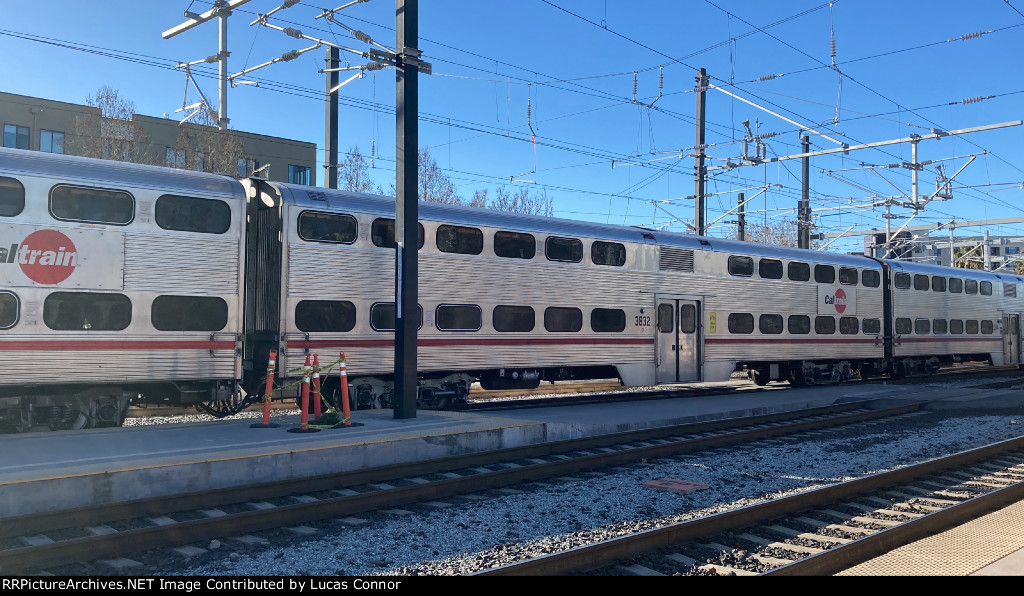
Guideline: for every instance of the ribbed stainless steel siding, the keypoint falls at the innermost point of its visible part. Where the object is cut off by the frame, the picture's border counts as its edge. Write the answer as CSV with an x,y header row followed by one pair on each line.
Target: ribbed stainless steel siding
x,y
181,265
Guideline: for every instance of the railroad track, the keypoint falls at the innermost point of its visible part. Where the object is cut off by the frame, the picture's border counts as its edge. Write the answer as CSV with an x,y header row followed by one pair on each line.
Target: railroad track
x,y
819,532
62,541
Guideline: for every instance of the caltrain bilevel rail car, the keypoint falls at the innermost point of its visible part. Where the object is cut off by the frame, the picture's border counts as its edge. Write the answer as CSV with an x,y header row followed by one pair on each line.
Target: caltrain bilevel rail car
x,y
126,284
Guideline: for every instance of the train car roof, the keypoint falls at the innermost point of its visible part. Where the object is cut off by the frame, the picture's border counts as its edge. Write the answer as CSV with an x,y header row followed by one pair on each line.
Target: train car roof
x,y
760,250
107,173
931,269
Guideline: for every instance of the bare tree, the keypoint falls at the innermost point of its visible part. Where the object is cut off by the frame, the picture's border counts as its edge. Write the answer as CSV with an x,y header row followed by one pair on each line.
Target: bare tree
x,y
116,135
779,233
202,146
354,174
434,185
522,201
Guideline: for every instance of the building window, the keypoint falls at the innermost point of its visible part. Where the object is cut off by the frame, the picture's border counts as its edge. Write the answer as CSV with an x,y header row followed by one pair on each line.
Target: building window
x,y
325,315
15,137
87,311
175,158
189,313
51,141
298,174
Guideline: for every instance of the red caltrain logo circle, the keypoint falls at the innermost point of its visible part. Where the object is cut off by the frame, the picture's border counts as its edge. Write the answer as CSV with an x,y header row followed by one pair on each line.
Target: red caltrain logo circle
x,y
840,301
47,257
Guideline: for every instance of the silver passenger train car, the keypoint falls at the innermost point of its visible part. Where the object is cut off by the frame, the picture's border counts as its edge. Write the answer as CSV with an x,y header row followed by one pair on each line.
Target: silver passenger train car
x,y
128,284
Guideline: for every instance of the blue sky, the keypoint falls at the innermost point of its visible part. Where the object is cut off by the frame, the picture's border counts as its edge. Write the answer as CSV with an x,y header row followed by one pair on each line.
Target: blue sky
x,y
612,143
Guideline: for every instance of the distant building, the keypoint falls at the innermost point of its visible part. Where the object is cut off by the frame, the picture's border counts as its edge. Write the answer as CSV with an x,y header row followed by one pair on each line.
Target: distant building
x,y
994,253
41,124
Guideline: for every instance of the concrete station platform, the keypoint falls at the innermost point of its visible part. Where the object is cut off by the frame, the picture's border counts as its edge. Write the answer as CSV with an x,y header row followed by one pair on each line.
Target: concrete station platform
x,y
56,470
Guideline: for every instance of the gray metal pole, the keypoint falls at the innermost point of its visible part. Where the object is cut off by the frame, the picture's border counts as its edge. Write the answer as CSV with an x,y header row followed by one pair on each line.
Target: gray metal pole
x,y
222,102
331,129
698,170
803,212
406,209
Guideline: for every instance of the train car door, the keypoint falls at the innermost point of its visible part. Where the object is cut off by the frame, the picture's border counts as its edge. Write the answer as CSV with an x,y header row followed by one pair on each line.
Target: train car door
x,y
679,340
1011,339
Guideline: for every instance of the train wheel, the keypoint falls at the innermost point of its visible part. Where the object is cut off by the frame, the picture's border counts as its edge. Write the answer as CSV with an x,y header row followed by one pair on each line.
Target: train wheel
x,y
759,376
224,407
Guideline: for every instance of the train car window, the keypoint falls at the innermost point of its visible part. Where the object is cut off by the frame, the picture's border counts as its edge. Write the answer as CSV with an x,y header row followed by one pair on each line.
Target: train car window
x,y
938,284
12,197
1009,290
872,325
770,324
849,325
799,324
971,327
9,309
987,327
462,240
902,281
334,228
825,274
92,205
563,319
608,253
986,288
769,268
956,326
382,316
741,266
687,318
825,325
922,326
666,318
741,322
904,326
799,271
921,282
189,313
608,320
325,315
87,311
382,233
870,279
514,245
956,285
458,317
939,326
192,214
569,250
848,276
970,286
514,318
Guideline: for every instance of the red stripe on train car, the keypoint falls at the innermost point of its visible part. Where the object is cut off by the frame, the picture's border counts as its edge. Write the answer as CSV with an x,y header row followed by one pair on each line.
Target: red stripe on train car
x,y
467,341
111,344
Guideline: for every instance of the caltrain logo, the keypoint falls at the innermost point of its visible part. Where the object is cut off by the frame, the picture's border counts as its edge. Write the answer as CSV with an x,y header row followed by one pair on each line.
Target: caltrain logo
x,y
45,256
838,300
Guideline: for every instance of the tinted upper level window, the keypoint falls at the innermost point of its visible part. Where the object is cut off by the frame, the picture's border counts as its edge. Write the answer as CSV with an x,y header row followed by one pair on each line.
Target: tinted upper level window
x,y
901,281
825,274
563,249
986,288
938,284
193,214
848,276
870,279
189,313
382,233
921,282
608,253
970,286
799,271
94,205
460,239
741,266
327,227
769,268
87,311
514,245
956,285
12,197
